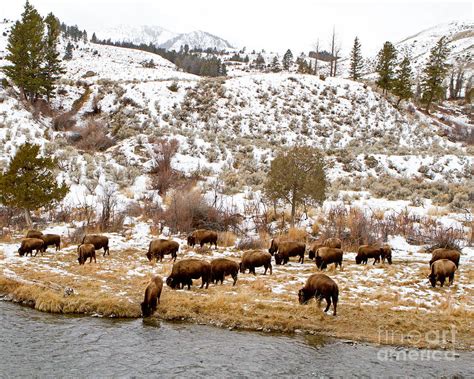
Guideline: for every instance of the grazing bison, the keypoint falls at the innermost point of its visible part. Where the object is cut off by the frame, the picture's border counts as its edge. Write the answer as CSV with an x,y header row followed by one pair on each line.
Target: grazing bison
x,y
328,255
368,251
29,244
453,255
386,253
252,259
440,270
320,287
161,247
201,237
34,234
274,245
99,242
85,251
188,269
289,249
152,296
334,243
313,248
51,240
221,267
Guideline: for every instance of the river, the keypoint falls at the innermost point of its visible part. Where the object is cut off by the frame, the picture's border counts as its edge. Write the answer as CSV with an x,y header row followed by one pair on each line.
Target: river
x,y
36,344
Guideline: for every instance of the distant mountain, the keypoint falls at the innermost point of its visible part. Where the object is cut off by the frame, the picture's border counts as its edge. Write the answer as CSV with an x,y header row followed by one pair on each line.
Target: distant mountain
x,y
161,37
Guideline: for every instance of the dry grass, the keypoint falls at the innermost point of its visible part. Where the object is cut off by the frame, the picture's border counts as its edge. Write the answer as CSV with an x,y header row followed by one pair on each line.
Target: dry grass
x,y
226,239
369,295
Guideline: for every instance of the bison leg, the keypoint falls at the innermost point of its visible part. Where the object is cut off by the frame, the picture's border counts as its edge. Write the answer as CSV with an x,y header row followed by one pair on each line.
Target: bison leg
x,y
328,301
252,270
334,303
451,278
442,279
234,276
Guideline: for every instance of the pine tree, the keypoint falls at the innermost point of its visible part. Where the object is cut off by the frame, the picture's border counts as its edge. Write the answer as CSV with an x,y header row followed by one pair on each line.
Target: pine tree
x,y
275,65
356,60
53,68
94,38
287,60
29,182
68,53
434,73
26,53
386,62
260,62
402,86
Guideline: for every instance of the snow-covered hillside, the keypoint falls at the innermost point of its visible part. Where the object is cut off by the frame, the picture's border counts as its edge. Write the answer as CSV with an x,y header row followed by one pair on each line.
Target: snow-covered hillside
x,y
160,37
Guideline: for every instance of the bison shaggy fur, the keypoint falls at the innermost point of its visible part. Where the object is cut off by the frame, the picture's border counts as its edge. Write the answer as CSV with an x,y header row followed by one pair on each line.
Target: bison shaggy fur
x,y
85,251
440,270
99,242
29,244
201,237
221,267
51,240
453,255
328,255
320,287
152,296
290,249
34,234
188,269
161,247
252,259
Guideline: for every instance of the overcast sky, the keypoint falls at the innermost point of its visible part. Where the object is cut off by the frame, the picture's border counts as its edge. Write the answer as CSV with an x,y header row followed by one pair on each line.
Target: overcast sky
x,y
274,25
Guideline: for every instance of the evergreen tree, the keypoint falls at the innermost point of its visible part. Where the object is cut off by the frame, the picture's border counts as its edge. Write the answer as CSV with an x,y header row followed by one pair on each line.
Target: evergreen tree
x,y
275,65
94,38
356,60
29,182
434,73
287,60
386,62
260,62
402,86
68,53
53,68
26,53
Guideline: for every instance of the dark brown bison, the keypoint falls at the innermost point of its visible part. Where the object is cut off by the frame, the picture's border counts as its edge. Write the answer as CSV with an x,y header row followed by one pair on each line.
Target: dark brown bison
x,y
320,287
29,244
386,253
328,255
221,267
161,247
85,251
440,270
368,251
99,242
152,296
51,240
34,234
289,249
334,243
274,245
313,248
453,255
201,237
188,269
252,259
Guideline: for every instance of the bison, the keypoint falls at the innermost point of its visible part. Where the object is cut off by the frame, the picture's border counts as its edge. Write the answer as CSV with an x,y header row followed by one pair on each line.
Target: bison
x,y
161,247
453,255
252,259
368,251
29,244
386,253
221,267
320,287
201,237
289,249
51,240
334,243
313,248
274,245
85,251
99,242
440,270
34,234
328,255
152,296
186,270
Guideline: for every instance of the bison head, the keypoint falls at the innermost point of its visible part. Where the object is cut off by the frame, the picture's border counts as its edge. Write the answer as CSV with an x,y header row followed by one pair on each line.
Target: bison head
x,y
81,260
273,248
21,252
145,309
191,240
149,256
303,296
432,279
358,259
242,268
170,282
311,254
319,262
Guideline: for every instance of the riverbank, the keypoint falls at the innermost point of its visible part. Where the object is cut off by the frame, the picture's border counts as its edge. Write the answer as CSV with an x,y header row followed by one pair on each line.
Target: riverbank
x,y
385,304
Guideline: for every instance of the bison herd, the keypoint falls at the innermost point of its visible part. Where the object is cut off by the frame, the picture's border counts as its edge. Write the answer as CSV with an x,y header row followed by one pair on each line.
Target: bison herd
x,y
443,263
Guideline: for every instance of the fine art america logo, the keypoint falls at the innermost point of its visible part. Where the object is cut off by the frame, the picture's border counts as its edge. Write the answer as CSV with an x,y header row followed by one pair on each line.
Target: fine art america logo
x,y
431,338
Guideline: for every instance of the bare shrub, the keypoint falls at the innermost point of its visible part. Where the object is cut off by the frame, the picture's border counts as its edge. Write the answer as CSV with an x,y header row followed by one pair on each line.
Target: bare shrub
x,y
65,121
108,218
251,243
447,238
162,174
94,137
